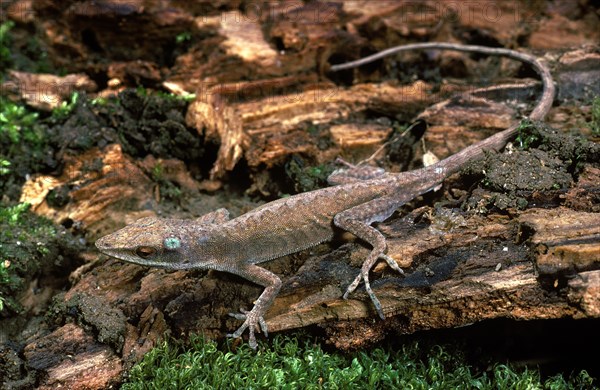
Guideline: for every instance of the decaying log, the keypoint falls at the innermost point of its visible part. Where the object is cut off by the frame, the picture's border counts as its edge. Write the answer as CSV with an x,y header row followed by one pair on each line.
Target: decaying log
x,y
91,364
481,269
45,91
112,187
264,94
460,268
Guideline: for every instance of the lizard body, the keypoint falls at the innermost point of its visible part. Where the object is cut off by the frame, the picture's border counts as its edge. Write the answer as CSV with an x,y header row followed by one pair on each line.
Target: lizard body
x,y
291,224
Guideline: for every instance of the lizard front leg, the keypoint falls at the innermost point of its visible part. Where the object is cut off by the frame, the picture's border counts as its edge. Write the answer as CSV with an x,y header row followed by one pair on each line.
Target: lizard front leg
x,y
254,319
357,221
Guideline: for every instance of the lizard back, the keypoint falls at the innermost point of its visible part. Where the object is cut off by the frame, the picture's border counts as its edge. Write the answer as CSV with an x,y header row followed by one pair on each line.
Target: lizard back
x,y
298,222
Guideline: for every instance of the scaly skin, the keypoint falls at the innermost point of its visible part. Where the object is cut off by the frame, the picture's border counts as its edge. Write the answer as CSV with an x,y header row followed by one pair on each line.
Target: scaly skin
x,y
292,224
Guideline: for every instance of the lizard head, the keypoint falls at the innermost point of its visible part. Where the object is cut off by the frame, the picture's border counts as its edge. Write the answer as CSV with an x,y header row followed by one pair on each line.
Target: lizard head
x,y
150,241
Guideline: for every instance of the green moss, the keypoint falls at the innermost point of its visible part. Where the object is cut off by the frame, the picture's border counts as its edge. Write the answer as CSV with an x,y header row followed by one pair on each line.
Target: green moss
x,y
30,245
594,124
23,144
525,137
17,123
307,178
4,167
100,101
168,189
7,279
64,110
15,250
145,93
22,138
29,55
183,37
286,363
5,41
157,171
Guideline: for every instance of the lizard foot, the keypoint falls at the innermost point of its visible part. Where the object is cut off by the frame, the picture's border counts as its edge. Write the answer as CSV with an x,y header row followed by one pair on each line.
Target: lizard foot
x,y
252,322
389,260
364,276
391,263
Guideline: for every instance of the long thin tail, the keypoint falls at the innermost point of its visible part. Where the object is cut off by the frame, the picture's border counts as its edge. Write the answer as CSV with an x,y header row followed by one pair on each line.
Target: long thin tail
x,y
498,140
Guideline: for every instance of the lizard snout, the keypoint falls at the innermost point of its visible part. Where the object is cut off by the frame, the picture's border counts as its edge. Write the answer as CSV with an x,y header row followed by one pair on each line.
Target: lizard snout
x,y
103,243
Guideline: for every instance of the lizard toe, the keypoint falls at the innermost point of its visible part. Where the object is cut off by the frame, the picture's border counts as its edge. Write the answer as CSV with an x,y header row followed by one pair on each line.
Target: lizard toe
x,y
263,326
352,286
373,297
364,276
252,322
243,315
239,316
391,263
251,338
238,333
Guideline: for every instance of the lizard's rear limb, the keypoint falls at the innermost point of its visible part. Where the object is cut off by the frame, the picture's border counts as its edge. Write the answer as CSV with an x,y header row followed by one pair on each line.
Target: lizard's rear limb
x,y
357,221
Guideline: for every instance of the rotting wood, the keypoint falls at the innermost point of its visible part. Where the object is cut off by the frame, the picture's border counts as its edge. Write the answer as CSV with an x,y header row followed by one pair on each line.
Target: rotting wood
x,y
156,301
477,271
565,242
45,91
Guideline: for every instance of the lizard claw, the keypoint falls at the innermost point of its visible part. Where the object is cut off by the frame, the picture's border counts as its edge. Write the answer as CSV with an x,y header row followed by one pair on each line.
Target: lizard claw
x,y
391,263
252,322
353,286
364,276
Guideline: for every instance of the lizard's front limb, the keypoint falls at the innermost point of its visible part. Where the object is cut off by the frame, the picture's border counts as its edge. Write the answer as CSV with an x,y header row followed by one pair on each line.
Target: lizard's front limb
x,y
357,221
254,319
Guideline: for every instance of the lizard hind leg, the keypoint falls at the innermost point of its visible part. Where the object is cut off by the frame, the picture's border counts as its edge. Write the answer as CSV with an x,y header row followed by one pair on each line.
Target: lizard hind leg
x,y
364,275
357,221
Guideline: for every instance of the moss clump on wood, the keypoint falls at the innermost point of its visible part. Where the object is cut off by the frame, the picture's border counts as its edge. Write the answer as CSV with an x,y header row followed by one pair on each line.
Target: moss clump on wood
x,y
30,246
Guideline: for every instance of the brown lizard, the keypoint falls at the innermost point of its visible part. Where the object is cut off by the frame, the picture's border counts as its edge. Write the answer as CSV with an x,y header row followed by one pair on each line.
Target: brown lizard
x,y
361,197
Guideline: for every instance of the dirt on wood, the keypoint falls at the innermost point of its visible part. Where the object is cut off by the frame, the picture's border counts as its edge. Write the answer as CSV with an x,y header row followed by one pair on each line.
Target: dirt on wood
x,y
515,235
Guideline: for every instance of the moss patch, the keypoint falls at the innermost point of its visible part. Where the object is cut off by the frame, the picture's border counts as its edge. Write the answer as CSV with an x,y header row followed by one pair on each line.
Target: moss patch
x,y
289,364
31,247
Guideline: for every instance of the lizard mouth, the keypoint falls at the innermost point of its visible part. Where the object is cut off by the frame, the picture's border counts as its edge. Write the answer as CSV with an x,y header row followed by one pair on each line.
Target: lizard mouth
x,y
129,255
105,246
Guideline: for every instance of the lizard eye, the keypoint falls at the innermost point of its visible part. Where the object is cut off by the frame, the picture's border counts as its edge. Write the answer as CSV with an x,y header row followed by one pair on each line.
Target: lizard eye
x,y
145,251
172,243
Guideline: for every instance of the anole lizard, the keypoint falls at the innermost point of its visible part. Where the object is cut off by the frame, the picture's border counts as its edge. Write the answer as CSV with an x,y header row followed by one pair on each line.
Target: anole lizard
x,y
292,224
